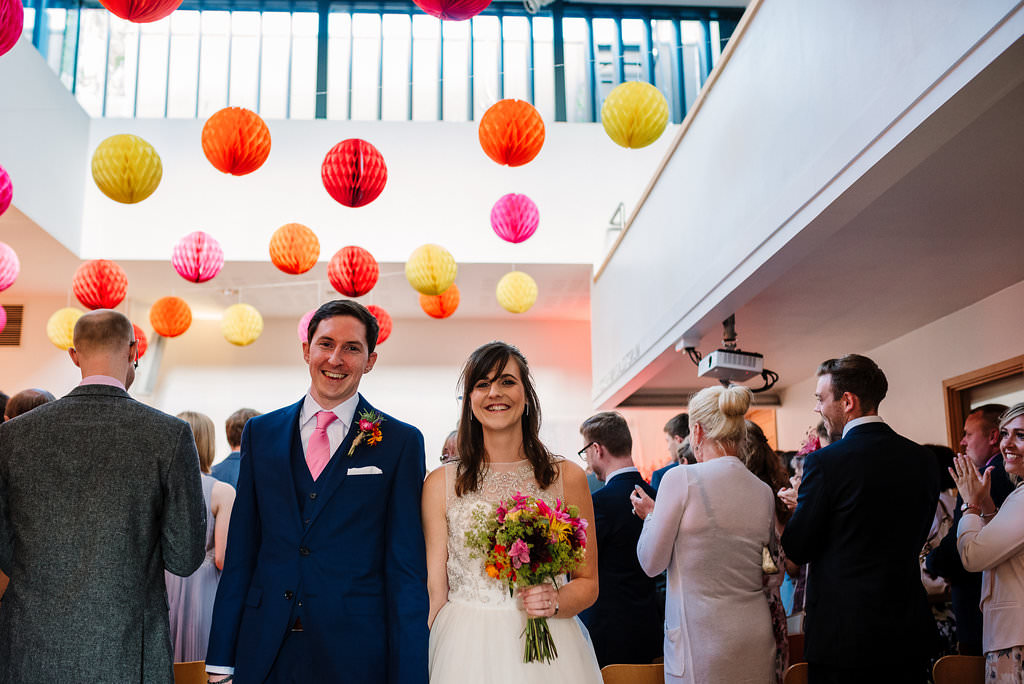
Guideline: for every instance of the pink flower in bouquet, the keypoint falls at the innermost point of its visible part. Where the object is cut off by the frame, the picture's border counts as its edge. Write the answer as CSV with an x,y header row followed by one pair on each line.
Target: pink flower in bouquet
x,y
502,511
544,509
520,553
365,425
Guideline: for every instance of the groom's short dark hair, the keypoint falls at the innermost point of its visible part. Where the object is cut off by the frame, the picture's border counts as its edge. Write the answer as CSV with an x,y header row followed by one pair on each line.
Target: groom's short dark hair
x,y
346,307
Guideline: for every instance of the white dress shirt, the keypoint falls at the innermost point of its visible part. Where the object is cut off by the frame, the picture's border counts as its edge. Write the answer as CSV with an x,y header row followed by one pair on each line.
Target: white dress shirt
x,y
336,431
620,471
863,420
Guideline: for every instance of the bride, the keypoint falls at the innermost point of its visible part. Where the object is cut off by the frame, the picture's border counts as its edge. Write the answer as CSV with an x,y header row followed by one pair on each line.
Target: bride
x,y
476,627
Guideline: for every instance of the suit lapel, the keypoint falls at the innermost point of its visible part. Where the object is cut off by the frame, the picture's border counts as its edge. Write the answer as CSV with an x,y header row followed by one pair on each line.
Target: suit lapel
x,y
338,469
279,452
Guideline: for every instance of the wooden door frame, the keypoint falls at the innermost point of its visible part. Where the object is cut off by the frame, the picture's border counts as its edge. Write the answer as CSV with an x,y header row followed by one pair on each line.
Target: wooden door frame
x,y
955,393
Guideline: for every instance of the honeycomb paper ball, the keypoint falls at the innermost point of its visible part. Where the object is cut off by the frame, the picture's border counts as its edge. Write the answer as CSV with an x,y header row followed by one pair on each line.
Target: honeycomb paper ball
x,y
141,11
353,271
442,305
303,329
170,316
431,269
197,257
100,284
517,292
142,342
242,324
384,321
453,10
60,329
6,186
10,267
126,168
634,114
236,141
514,217
511,132
12,22
294,248
354,172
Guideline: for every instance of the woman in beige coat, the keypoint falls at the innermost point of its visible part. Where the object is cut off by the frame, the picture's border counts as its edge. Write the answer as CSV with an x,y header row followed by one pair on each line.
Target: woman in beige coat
x,y
709,527
992,541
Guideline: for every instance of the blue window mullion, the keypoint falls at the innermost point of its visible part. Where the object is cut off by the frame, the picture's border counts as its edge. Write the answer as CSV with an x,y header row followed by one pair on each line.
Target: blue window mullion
x,y
592,69
501,56
620,53
529,62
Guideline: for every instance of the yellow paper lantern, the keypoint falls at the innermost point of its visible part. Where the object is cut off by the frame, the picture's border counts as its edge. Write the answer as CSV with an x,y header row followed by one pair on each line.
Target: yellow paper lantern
x,y
517,292
634,114
242,324
126,168
431,269
61,327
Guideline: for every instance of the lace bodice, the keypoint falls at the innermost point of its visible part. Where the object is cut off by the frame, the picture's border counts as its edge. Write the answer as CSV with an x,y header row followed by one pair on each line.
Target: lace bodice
x,y
467,579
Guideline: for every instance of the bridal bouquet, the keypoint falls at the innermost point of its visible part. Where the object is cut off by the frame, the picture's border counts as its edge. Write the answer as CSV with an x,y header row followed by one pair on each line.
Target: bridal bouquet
x,y
524,542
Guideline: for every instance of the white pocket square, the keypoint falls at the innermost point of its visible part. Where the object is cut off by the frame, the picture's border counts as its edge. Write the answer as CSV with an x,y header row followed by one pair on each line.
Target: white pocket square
x,y
366,470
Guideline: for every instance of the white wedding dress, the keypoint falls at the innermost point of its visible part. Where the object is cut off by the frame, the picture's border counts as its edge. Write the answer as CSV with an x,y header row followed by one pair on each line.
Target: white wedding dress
x,y
476,636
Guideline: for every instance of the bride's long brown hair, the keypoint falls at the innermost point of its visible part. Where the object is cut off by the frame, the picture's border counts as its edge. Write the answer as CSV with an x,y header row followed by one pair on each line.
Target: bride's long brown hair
x,y
488,359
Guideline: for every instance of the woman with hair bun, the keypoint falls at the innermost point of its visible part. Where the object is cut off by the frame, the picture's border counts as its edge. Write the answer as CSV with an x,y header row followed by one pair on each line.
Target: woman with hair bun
x,y
710,527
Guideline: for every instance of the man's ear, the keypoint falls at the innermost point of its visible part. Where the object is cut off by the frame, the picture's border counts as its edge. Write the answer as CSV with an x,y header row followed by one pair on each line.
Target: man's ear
x,y
74,356
850,401
370,360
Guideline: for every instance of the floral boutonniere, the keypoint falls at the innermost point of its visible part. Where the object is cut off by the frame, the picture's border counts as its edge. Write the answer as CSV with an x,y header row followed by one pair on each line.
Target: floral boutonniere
x,y
369,430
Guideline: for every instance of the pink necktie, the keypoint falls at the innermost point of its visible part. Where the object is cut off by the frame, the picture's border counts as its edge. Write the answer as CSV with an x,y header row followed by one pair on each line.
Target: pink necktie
x,y
318,451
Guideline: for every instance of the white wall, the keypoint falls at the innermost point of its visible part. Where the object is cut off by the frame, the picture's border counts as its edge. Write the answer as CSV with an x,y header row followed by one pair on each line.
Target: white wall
x,y
813,96
916,364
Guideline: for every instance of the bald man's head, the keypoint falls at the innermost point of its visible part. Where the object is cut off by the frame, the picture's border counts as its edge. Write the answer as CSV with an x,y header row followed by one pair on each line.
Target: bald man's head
x,y
103,331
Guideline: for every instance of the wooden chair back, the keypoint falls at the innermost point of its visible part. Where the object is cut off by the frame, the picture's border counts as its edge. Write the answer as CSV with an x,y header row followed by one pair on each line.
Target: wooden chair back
x,y
190,673
633,674
796,674
958,669
796,648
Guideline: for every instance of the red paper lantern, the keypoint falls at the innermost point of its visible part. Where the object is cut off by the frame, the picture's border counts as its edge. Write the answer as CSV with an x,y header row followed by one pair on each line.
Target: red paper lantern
x,y
511,132
12,21
236,141
354,172
142,11
140,340
353,271
170,316
514,217
197,257
100,284
383,320
6,187
294,248
453,10
442,305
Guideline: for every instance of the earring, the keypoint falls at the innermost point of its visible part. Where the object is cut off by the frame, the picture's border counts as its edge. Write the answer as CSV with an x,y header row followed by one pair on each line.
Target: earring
x,y
527,409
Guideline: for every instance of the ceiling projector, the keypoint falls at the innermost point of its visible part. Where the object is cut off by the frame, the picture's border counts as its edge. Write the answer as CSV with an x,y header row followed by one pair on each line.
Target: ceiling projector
x,y
731,364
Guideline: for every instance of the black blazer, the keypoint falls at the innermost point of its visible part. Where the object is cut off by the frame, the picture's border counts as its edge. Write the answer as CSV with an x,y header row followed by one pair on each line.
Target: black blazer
x,y
865,506
625,622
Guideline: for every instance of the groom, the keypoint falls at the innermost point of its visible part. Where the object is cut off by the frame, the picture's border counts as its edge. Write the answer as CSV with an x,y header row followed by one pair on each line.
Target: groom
x,y
325,574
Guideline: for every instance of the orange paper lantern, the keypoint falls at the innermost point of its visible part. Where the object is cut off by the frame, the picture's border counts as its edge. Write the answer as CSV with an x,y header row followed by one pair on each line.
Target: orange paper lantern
x,y
170,316
511,132
384,321
442,305
141,342
100,284
236,141
294,248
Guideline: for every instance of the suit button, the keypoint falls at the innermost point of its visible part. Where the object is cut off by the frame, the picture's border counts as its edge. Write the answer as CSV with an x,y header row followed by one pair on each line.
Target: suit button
x,y
288,595
312,495
303,551
306,521
300,604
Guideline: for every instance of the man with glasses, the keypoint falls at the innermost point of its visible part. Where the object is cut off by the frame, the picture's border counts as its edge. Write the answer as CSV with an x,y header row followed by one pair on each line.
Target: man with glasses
x,y
98,495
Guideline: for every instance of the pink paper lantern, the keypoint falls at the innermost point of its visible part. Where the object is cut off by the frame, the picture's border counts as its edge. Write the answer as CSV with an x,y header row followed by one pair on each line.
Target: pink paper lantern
x,y
9,266
197,257
6,187
303,329
514,217
3,318
12,20
453,10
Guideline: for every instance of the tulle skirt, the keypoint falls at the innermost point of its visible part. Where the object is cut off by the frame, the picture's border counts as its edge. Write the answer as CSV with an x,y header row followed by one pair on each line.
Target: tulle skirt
x,y
473,642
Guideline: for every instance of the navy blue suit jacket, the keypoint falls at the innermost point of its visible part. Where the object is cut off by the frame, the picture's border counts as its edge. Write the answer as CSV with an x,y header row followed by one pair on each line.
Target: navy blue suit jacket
x,y
227,470
357,563
865,507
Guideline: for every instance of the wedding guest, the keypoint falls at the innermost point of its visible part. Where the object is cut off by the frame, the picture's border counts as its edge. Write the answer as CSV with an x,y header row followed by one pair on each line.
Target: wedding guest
x,y
980,444
625,621
761,460
86,601
227,470
449,451
865,504
991,541
26,400
3,405
709,528
190,599
677,431
938,588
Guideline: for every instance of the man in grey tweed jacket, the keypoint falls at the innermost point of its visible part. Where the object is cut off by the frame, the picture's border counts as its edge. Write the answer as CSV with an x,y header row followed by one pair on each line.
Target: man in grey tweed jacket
x,y
98,494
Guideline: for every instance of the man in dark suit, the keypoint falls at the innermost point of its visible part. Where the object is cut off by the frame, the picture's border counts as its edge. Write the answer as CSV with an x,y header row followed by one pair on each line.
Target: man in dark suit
x,y
980,443
98,495
865,505
625,622
325,574
227,470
